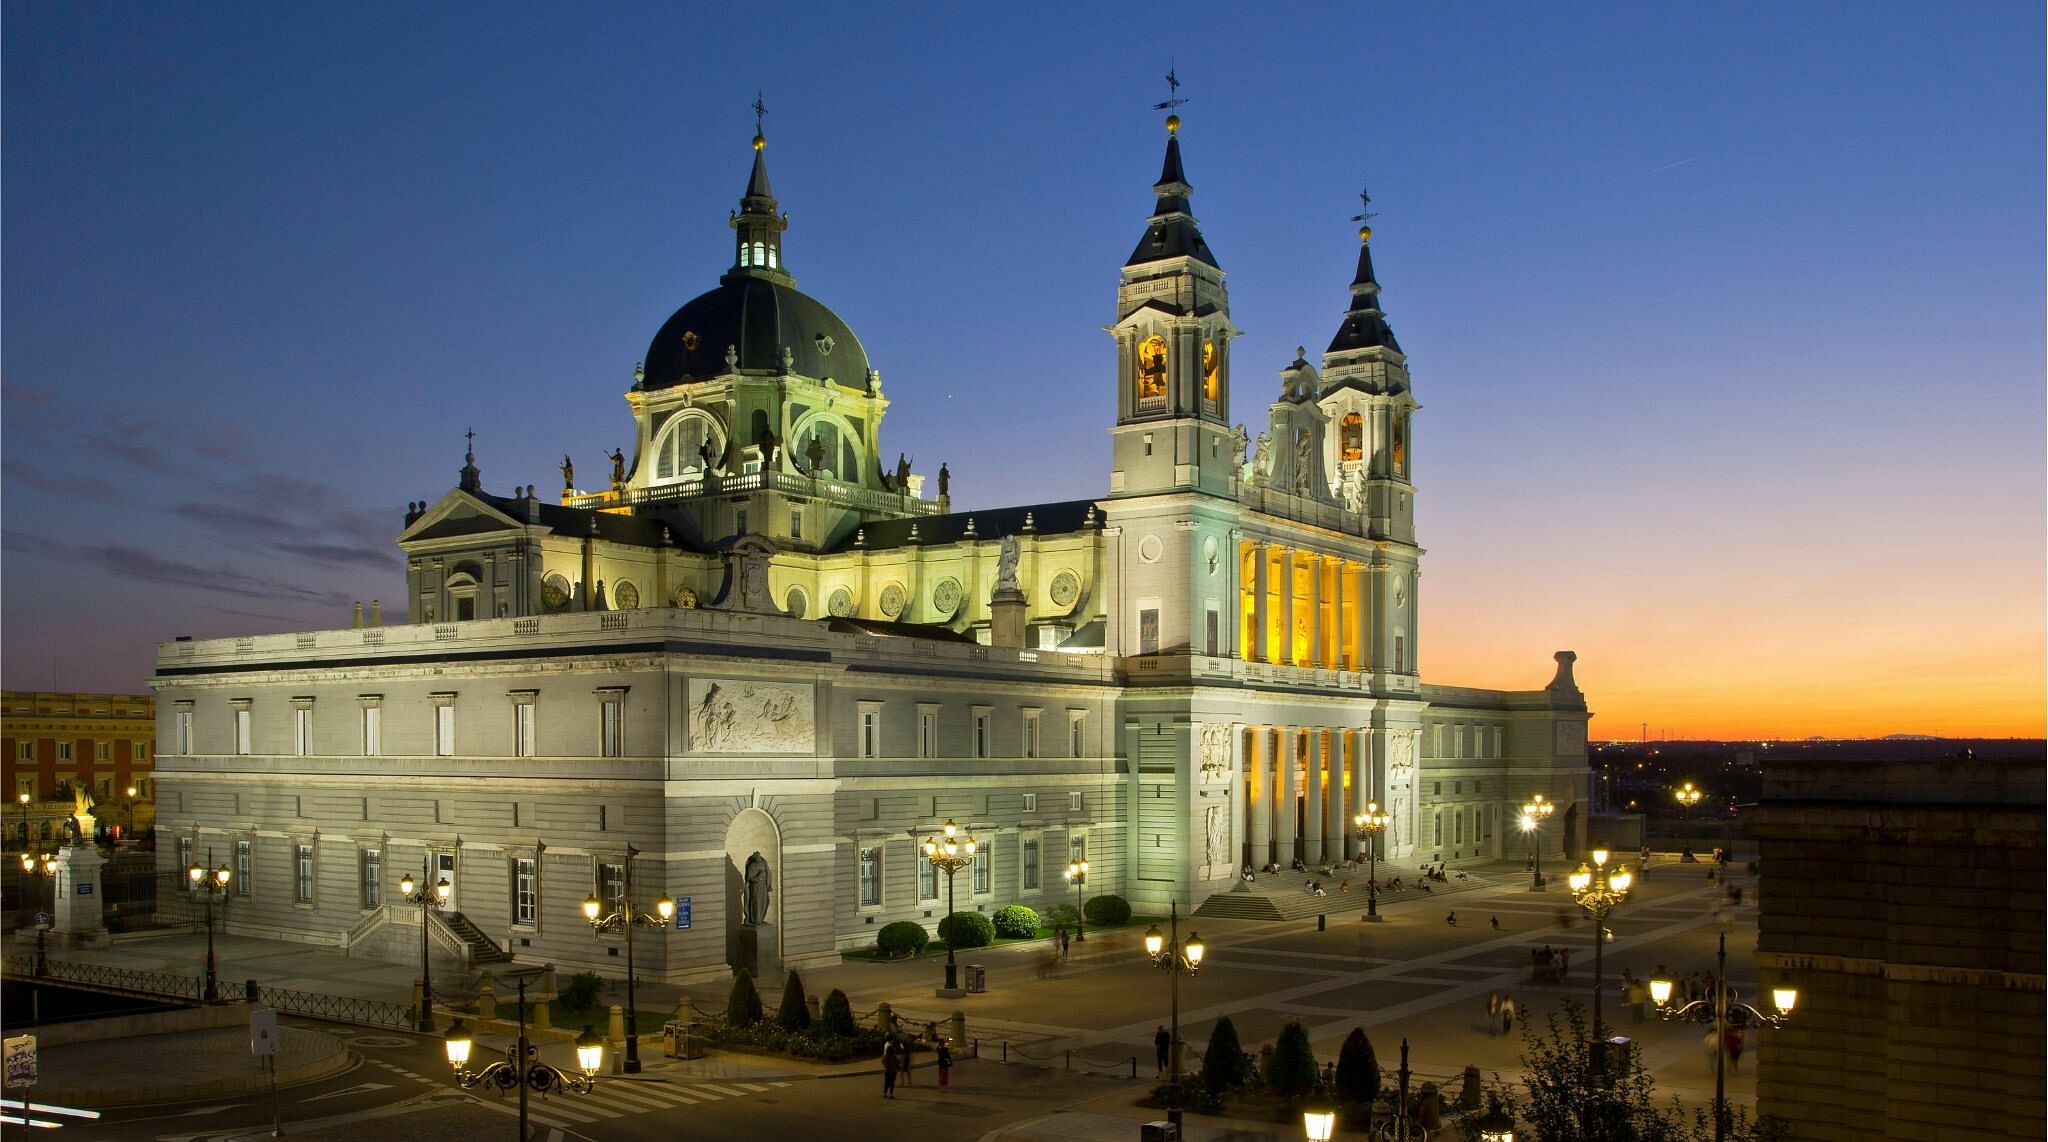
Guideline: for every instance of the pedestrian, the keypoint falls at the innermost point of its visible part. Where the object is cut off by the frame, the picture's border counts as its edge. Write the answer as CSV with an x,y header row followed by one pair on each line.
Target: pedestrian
x,y
907,1047
890,1063
1492,1013
1733,1046
1507,1015
1452,919
945,1065
1162,1045
1059,938
1495,921
1066,941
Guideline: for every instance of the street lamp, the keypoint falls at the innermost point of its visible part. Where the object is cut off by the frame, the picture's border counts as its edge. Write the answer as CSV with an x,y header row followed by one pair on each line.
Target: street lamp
x,y
1723,1011
1176,959
1370,824
214,886
437,897
1534,813
1077,875
1496,1125
129,801
1318,1121
626,919
1600,890
1689,796
42,865
950,856
521,1068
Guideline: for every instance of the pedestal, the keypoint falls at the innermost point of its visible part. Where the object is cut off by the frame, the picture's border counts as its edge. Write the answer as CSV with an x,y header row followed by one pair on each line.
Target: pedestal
x,y
77,909
1006,617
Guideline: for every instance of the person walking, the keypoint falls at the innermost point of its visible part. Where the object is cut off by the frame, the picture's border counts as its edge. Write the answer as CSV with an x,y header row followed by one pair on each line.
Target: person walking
x,y
1066,941
907,1047
1492,1014
1162,1046
891,1061
945,1063
1495,921
1452,919
1733,1045
1507,1015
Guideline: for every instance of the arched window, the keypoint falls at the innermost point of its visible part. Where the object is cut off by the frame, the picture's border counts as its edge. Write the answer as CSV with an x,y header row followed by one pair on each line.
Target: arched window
x,y
679,453
746,254
1351,437
1401,445
1210,365
1152,367
772,259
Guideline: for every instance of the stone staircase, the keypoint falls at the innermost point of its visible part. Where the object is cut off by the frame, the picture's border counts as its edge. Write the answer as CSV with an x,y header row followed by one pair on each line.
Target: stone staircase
x,y
483,951
1279,896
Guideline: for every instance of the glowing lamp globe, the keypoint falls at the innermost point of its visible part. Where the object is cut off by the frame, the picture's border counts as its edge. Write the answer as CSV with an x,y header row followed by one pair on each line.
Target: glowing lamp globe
x,y
457,1043
589,1052
591,907
1154,940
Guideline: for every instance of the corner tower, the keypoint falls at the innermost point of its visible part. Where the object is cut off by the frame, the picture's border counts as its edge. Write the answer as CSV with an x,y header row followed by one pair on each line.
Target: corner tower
x,y
1367,401
1173,336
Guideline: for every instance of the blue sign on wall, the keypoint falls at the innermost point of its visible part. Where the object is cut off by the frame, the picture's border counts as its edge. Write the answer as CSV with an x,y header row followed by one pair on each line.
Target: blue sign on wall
x,y
85,888
682,914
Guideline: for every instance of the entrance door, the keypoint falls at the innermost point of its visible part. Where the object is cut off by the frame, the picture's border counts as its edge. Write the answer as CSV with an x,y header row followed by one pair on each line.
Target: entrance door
x,y
444,868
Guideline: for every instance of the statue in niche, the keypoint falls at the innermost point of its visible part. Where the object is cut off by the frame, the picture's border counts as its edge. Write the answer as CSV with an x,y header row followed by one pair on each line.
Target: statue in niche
x,y
902,473
766,442
618,467
1007,555
760,886
1262,457
814,454
945,480
568,473
706,454
1304,441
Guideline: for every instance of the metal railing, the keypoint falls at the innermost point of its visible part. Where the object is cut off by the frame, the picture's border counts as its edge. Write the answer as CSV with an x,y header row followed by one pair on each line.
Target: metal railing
x,y
338,1008
164,985
104,977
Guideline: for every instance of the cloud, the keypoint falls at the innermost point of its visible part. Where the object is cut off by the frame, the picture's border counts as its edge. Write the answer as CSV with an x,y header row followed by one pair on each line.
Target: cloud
x,y
58,484
134,563
381,560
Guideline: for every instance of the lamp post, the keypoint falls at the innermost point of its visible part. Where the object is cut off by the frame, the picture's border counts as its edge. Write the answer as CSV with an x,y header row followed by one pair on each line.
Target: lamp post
x,y
1496,1125
950,855
1600,890
1176,959
1318,1121
1536,811
1723,1011
426,898
519,1068
1370,824
1689,795
1077,875
129,801
626,919
42,866
213,885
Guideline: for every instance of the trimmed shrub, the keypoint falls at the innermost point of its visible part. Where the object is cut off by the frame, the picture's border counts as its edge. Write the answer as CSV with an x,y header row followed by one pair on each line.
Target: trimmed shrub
x,y
1291,1069
810,1043
581,990
902,938
743,1005
1062,916
1358,1070
1223,1064
967,930
1016,922
836,1016
795,1012
1108,910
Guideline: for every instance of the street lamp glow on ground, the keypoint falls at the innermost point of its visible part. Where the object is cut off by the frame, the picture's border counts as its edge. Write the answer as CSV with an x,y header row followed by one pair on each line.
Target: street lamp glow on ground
x,y
950,854
1176,959
436,898
213,886
1536,811
1723,1011
1600,890
1077,875
1370,824
625,920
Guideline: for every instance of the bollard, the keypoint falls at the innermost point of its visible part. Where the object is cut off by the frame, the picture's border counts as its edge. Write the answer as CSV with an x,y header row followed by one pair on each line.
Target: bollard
x,y
616,1032
885,1019
683,1012
1468,1096
486,999
1322,922
959,1029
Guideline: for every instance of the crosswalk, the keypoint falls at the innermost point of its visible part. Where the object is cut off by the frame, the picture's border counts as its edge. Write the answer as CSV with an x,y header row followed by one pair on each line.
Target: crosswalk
x,y
617,1098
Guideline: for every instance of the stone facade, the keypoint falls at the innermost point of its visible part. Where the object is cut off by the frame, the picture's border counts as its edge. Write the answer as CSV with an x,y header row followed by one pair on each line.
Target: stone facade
x,y
1905,900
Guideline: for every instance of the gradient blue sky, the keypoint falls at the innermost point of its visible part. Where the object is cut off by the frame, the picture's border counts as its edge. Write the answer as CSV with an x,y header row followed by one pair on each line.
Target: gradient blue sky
x,y
1727,320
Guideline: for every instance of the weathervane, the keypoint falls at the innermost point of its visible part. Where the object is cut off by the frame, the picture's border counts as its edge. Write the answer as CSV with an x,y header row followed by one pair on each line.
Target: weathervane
x,y
1173,92
760,110
471,437
1365,212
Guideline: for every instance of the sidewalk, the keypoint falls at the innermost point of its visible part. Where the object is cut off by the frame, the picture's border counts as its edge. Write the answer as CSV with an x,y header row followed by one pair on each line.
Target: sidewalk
x,y
183,1065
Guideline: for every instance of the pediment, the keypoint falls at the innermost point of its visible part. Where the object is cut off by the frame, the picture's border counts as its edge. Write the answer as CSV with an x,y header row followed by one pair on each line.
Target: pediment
x,y
458,514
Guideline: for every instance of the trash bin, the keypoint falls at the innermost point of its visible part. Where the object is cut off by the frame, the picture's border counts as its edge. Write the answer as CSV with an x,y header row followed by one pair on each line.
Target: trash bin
x,y
681,1040
977,978
1159,1132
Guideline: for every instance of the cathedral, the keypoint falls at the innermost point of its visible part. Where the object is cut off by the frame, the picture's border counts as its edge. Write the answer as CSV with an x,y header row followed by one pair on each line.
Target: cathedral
x,y
755,664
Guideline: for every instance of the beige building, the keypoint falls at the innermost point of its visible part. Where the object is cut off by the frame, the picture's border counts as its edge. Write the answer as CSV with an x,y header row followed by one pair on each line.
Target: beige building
x,y
761,653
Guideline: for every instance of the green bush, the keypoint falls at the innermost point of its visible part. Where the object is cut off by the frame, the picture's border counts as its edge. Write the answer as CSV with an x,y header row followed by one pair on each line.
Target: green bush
x,y
1016,922
836,1016
795,1012
1358,1069
581,991
967,930
1223,1064
743,1006
1291,1068
1062,916
902,938
811,1043
1108,910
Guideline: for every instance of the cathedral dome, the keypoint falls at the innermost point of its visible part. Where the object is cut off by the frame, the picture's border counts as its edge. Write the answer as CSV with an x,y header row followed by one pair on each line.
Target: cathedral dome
x,y
757,317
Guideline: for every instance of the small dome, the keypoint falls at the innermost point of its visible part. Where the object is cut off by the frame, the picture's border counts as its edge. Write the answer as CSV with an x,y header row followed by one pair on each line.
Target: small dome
x,y
758,317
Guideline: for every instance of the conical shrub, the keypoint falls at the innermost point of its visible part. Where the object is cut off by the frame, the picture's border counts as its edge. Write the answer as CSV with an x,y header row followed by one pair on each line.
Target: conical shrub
x,y
795,1012
743,1005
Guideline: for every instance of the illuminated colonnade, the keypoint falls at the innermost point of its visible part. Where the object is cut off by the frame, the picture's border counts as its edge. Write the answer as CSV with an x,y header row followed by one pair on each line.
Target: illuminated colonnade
x,y
1302,786
1303,608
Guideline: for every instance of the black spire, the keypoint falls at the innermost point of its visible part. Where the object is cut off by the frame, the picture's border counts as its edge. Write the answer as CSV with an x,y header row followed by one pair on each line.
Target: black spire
x,y
1171,232
757,250
1365,326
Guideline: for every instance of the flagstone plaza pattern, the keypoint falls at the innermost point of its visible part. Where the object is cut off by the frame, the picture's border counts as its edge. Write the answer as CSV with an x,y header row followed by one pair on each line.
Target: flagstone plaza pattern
x,y
760,655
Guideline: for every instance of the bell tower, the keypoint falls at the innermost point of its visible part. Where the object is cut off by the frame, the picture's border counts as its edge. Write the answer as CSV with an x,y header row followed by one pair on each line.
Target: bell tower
x,y
1173,335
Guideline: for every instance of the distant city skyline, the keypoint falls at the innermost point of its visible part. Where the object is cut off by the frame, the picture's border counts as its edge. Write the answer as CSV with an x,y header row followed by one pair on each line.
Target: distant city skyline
x,y
1727,327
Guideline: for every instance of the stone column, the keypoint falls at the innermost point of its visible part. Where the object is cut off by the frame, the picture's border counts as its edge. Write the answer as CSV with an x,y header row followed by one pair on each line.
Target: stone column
x,y
1360,633
1315,610
1286,649
1284,738
1339,649
76,909
1261,583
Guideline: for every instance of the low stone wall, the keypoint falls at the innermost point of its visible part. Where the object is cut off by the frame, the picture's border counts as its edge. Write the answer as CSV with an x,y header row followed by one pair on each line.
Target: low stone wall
x,y
148,1023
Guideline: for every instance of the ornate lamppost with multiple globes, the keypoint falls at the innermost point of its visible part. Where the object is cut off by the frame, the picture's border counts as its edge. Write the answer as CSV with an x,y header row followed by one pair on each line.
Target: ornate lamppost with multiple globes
x,y
1176,959
1724,1011
1077,875
625,919
214,886
521,1067
1689,795
435,897
1536,811
1600,890
1370,824
950,854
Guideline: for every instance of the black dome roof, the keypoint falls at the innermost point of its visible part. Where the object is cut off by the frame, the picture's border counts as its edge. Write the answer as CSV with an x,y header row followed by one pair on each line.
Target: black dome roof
x,y
757,316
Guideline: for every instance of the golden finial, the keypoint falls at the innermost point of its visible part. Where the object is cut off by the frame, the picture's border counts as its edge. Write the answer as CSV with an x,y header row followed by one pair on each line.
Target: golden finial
x,y
1365,233
1173,124
759,141
760,112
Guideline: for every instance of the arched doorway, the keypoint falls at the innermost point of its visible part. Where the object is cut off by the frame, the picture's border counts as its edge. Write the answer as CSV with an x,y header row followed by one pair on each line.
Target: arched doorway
x,y
753,893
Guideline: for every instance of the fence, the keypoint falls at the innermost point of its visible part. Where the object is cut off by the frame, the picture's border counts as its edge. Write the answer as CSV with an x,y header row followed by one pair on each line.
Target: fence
x,y
164,985
102,977
337,1008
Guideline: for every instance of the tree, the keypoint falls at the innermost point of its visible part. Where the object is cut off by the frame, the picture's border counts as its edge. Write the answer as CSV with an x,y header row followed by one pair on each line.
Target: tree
x,y
743,1005
1291,1069
1223,1064
1358,1070
795,1012
836,1016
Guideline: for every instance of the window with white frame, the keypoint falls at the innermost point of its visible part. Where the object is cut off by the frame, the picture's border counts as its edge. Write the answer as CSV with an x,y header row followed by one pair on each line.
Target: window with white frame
x,y
984,717
24,751
1437,830
927,878
523,722
870,729
181,729
983,866
373,723
302,726
373,877
244,720
444,725
1499,740
611,888
525,890
106,751
1077,733
64,751
1030,734
1031,802
302,874
1077,847
245,867
184,854
142,751
871,877
1073,802
1030,863
611,728
927,730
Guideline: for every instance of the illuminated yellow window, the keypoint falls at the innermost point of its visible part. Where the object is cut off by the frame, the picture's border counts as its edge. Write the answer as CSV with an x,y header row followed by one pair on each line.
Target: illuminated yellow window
x,y
1152,367
1351,436
1209,386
